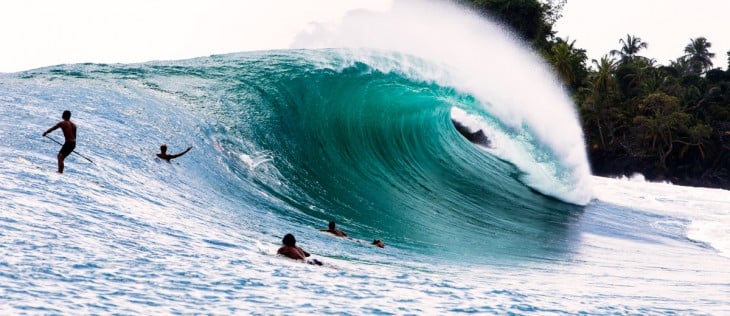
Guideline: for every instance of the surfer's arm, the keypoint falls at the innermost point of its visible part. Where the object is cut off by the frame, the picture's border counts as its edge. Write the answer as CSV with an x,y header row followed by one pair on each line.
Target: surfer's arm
x,y
52,129
182,153
306,254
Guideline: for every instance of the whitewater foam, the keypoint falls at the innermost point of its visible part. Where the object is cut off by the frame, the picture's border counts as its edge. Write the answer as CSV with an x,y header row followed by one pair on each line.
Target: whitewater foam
x,y
707,210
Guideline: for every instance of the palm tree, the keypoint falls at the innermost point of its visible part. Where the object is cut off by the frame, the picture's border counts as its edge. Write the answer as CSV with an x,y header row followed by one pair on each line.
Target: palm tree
x,y
567,61
603,82
602,97
698,55
680,65
629,47
644,69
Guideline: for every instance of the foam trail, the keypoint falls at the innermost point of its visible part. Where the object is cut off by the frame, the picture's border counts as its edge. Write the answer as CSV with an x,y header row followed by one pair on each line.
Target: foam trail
x,y
485,60
708,219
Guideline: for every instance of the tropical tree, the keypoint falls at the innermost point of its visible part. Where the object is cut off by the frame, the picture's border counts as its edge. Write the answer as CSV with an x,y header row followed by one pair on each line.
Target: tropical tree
x,y
661,124
655,127
629,47
629,71
530,19
568,62
553,9
639,75
698,55
680,64
599,106
669,78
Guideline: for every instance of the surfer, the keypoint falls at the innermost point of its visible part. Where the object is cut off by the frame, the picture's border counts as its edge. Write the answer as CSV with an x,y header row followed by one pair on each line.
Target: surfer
x,y
477,137
334,230
290,250
378,243
164,155
69,133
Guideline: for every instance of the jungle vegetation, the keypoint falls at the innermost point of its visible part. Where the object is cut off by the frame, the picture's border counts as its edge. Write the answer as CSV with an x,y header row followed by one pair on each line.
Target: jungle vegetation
x,y
668,122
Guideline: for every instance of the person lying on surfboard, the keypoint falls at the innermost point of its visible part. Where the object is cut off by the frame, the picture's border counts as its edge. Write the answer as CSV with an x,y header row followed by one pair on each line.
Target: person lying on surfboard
x,y
164,155
333,230
290,250
69,133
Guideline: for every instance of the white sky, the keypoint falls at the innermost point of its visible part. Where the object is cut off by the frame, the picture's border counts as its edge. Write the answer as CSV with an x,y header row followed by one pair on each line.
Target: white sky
x,y
36,33
666,25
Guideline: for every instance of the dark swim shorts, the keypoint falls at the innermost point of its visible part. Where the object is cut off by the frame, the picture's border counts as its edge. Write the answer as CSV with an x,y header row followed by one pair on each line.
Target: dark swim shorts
x,y
67,148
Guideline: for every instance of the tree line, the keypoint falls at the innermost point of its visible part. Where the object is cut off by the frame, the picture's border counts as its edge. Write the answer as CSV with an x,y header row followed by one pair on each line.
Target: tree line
x,y
667,122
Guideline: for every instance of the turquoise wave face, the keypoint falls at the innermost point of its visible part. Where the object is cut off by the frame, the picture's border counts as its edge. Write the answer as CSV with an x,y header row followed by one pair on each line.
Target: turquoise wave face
x,y
312,137
378,153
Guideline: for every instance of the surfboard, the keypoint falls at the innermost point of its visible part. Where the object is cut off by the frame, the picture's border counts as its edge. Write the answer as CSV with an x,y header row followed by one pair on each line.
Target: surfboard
x,y
28,163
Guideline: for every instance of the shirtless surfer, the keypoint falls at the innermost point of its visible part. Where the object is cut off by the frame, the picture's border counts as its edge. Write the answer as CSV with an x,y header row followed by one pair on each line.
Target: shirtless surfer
x,y
165,156
69,133
290,250
333,230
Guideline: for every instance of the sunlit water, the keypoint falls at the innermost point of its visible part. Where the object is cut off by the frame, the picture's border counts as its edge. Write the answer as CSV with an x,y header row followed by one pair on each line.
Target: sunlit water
x,y
285,141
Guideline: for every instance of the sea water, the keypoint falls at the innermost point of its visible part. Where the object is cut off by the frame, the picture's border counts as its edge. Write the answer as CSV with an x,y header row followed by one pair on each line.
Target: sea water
x,y
285,141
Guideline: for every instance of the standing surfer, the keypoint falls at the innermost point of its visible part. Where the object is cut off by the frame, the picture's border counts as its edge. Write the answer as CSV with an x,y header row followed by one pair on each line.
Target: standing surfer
x,y
69,133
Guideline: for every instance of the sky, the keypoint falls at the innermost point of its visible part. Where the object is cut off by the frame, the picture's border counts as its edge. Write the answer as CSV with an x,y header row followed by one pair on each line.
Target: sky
x,y
37,33
666,25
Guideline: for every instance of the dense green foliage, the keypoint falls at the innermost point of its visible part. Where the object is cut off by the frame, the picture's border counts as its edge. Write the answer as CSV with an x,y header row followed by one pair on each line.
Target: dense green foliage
x,y
666,122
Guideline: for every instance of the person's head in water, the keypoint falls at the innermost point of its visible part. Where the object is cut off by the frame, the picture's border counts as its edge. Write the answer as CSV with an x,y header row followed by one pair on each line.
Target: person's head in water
x,y
163,148
332,225
289,240
66,115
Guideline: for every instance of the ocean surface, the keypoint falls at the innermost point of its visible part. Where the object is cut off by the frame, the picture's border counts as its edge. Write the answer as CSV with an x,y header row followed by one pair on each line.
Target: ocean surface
x,y
285,141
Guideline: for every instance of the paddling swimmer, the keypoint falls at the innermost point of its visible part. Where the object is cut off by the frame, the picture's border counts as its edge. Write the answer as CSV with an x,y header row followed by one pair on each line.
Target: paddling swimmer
x,y
378,243
290,250
333,230
164,155
69,133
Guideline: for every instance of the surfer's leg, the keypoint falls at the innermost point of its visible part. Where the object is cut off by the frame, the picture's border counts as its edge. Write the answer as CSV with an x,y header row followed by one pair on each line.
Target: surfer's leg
x,y
66,149
61,157
314,262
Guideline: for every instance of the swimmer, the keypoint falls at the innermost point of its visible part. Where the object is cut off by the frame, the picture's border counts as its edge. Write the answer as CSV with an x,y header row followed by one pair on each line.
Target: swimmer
x,y
165,156
334,230
292,251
